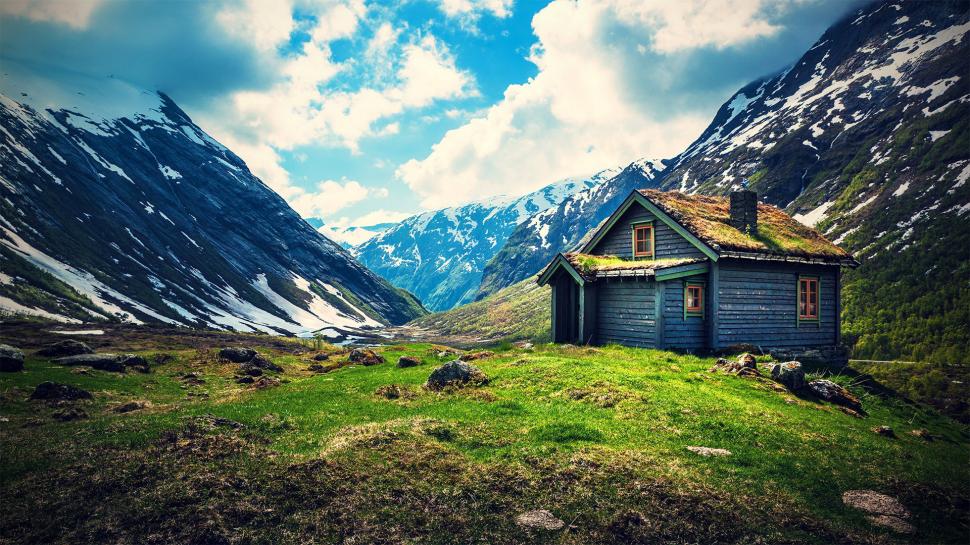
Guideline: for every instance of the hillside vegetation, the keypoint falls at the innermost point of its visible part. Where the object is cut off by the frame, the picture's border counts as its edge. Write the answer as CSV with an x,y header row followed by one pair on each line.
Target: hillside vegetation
x,y
597,436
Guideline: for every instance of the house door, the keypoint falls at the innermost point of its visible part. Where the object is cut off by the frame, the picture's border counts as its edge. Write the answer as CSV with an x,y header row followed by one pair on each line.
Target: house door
x,y
566,310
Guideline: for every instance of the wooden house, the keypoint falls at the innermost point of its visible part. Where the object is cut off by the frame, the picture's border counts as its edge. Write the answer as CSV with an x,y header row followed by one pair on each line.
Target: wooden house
x,y
693,272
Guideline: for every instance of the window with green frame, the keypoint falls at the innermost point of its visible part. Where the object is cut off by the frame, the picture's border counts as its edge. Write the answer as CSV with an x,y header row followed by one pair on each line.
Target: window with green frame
x,y
693,299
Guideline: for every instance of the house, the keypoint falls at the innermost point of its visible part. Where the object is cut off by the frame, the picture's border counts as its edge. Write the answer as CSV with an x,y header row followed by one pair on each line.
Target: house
x,y
694,272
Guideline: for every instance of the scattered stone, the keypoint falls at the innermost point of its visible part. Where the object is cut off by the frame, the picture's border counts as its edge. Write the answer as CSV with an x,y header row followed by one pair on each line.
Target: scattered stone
x,y
65,348
747,360
104,362
883,510
317,368
741,367
408,361
245,380
394,391
69,414
448,353
137,363
264,363
57,391
833,393
251,370
790,374
131,406
455,373
321,357
472,356
707,451
365,356
192,379
266,382
539,519
11,359
237,354
922,434
524,345
884,431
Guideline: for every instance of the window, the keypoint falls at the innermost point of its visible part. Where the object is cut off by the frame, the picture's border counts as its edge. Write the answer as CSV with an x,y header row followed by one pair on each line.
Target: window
x,y
807,298
693,299
643,241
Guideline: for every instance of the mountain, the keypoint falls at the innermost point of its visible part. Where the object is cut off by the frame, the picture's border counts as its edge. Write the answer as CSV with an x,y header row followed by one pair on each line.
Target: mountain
x,y
439,256
116,206
866,137
350,236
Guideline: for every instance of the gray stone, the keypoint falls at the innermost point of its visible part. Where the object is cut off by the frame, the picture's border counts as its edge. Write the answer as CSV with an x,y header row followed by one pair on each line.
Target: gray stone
x,y
321,357
408,361
68,347
57,391
539,519
834,393
11,359
790,374
237,354
455,373
104,362
708,451
365,356
264,363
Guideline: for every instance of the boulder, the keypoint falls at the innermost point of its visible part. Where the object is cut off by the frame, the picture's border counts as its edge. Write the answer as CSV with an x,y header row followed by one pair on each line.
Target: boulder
x,y
408,361
540,519
790,374
245,380
394,391
137,363
740,368
64,348
834,393
472,356
266,382
455,373
237,354
69,414
922,434
321,357
708,451
264,363
884,431
747,360
365,356
104,362
317,368
56,391
251,370
11,359
131,406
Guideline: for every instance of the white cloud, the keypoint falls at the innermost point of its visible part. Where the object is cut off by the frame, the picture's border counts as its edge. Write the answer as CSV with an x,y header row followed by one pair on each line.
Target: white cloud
x,y
584,110
75,13
458,8
331,196
264,24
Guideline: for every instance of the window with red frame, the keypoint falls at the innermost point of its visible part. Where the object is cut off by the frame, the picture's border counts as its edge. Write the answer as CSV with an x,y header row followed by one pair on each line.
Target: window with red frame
x,y
643,241
694,299
808,299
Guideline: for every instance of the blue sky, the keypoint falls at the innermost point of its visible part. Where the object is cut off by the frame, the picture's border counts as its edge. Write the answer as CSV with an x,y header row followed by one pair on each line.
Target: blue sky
x,y
361,112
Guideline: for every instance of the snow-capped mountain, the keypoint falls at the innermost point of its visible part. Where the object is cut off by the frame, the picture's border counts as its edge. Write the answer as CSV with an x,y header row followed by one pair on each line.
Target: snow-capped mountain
x,y
351,236
865,136
115,205
439,256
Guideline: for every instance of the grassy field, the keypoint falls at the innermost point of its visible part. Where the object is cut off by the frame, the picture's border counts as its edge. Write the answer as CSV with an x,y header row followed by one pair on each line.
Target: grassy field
x,y
597,436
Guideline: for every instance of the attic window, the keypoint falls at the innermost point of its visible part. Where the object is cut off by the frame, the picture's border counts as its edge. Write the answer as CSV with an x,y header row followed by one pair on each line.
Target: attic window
x,y
807,298
643,240
693,299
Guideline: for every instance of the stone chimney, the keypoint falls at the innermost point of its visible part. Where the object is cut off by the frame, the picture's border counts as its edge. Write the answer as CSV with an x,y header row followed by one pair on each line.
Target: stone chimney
x,y
744,211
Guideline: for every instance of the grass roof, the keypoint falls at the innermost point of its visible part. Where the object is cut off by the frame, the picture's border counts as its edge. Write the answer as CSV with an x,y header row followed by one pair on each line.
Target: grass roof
x,y
588,265
778,233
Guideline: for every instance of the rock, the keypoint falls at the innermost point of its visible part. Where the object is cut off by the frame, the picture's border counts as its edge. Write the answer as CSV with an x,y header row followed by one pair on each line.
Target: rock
x,y
266,382
321,357
707,451
131,406
408,361
455,373
245,380
447,353
394,391
57,391
365,356
11,359
237,354
65,348
539,519
736,367
162,359
790,374
747,360
472,356
885,431
883,510
137,363
69,414
251,370
833,393
922,434
524,345
104,362
192,379
265,363
317,368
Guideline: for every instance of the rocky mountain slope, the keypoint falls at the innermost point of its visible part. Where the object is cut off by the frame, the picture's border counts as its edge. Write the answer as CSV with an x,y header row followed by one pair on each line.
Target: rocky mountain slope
x,y
115,205
866,136
439,256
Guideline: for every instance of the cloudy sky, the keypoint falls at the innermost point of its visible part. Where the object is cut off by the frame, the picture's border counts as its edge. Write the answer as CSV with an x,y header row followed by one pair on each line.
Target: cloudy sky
x,y
360,112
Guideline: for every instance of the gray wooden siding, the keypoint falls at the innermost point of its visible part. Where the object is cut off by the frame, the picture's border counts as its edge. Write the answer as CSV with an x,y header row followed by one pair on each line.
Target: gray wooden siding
x,y
758,306
625,313
619,240
679,333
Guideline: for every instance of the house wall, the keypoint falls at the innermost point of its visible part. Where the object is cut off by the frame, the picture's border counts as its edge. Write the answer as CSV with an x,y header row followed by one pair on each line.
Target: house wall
x,y
678,332
757,305
619,240
625,312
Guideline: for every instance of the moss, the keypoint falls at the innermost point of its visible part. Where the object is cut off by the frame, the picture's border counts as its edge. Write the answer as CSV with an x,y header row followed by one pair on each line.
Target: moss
x,y
589,263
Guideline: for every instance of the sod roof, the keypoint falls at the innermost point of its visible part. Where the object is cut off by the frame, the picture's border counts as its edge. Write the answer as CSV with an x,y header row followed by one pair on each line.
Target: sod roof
x,y
778,233
591,266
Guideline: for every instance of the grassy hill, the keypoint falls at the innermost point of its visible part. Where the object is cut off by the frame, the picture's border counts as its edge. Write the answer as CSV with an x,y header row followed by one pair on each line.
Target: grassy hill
x,y
597,436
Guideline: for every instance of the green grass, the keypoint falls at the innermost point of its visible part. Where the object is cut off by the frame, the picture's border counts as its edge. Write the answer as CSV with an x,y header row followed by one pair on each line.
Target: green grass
x,y
596,435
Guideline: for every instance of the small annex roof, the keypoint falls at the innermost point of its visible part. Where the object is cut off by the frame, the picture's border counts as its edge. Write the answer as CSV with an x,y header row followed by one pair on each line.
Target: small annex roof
x,y
778,236
587,268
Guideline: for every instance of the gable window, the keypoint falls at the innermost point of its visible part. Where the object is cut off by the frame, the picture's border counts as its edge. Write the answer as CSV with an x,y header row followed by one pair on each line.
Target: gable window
x,y
643,240
807,298
693,299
